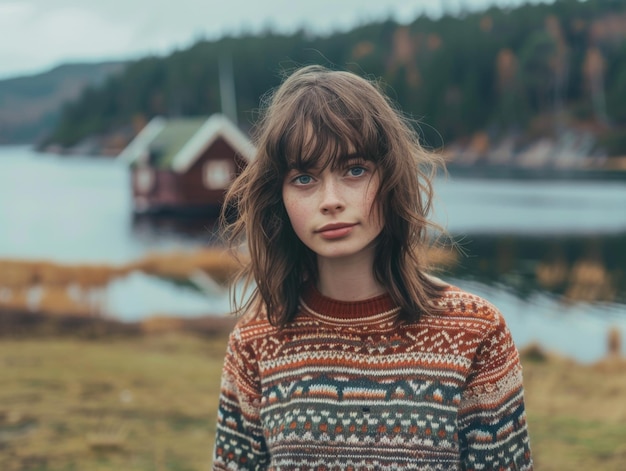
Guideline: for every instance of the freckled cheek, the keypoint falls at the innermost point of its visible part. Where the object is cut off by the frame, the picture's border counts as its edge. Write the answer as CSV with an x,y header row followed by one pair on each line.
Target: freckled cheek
x,y
295,212
372,206
376,219
369,201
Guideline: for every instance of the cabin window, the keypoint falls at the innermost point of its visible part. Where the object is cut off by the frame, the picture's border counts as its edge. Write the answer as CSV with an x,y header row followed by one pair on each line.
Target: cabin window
x,y
218,174
144,179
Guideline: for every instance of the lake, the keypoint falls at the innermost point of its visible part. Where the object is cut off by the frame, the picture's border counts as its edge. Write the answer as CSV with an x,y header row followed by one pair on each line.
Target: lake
x,y
550,254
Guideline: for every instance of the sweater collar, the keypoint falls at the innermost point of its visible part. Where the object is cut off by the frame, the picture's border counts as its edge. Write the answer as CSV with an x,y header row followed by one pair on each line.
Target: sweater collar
x,y
368,311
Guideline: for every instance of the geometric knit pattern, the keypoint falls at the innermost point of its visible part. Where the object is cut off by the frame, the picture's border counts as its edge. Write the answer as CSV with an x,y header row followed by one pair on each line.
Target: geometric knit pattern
x,y
345,385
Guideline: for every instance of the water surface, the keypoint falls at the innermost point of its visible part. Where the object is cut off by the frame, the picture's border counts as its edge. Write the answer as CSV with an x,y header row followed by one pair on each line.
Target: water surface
x,y
551,255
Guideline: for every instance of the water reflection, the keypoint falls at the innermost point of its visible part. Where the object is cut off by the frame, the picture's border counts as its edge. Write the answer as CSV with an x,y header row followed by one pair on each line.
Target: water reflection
x,y
566,293
574,268
194,229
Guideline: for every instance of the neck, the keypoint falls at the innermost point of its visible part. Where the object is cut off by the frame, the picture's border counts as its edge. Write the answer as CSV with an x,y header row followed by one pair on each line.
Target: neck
x,y
348,280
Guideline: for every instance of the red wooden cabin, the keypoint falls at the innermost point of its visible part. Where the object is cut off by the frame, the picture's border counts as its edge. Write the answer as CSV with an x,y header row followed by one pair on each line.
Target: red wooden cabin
x,y
184,165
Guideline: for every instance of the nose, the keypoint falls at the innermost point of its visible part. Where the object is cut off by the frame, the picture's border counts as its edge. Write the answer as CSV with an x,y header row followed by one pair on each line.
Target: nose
x,y
331,199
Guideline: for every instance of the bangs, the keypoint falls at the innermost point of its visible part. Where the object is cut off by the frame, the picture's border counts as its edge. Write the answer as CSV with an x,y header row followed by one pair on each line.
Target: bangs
x,y
313,147
326,131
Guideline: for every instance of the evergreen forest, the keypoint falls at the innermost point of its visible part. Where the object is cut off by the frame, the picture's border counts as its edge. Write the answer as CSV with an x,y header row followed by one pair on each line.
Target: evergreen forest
x,y
530,71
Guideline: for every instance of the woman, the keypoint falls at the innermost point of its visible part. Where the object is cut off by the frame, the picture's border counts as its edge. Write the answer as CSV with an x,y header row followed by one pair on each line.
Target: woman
x,y
349,355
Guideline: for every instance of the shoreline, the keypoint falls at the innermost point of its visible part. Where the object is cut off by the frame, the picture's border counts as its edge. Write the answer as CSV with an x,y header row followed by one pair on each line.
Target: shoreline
x,y
28,325
187,290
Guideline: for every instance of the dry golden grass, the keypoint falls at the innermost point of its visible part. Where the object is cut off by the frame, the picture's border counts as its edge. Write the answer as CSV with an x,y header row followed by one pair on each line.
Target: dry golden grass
x,y
23,273
57,289
442,257
577,414
149,403
217,263
178,264
66,289
586,280
146,403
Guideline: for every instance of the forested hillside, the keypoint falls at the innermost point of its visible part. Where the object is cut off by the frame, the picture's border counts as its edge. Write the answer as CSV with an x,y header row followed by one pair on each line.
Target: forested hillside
x,y
527,72
29,106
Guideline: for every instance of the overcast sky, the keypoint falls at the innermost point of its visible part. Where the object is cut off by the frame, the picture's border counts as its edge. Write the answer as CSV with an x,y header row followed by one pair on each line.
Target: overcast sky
x,y
38,34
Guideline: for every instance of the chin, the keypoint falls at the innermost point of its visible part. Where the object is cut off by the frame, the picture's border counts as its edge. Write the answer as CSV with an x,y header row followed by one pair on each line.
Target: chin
x,y
339,253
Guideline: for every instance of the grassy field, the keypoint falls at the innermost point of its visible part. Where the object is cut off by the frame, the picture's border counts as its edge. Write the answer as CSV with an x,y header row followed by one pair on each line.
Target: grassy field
x,y
143,403
148,402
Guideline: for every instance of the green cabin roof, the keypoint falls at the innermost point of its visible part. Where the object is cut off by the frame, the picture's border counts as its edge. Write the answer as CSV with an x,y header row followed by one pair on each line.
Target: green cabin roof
x,y
175,143
172,138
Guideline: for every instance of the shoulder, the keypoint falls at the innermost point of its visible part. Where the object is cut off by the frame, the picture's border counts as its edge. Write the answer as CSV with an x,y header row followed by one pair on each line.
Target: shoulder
x,y
252,325
483,329
456,303
244,341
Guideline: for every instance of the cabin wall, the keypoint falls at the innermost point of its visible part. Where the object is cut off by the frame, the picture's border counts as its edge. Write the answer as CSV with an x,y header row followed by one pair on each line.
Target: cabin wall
x,y
161,191
172,190
192,187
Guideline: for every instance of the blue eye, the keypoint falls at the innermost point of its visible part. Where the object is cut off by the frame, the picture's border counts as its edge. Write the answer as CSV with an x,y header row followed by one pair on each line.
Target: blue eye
x,y
303,179
356,171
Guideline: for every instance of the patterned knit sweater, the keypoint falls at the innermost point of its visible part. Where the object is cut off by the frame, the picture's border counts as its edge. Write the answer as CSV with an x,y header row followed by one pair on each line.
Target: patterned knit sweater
x,y
346,386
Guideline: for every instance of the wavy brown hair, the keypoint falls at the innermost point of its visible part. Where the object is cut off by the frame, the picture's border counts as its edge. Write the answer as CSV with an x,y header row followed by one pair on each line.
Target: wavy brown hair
x,y
347,114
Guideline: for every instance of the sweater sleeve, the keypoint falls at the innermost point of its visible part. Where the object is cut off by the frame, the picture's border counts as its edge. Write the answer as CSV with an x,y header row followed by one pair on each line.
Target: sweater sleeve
x,y
239,441
492,421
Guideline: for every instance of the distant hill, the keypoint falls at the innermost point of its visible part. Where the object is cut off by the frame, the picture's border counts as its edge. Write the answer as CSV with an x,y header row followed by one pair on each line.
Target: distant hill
x,y
30,106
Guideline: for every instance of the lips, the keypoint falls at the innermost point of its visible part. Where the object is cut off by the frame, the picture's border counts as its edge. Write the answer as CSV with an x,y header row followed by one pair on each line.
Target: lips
x,y
335,230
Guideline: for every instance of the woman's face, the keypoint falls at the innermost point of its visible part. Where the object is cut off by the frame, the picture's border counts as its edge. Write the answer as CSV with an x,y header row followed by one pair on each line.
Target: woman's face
x,y
333,211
